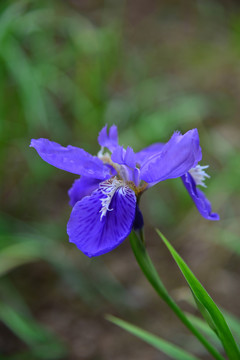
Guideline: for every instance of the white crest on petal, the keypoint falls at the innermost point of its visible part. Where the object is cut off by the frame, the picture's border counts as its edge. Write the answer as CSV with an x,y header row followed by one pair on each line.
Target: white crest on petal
x,y
108,188
199,175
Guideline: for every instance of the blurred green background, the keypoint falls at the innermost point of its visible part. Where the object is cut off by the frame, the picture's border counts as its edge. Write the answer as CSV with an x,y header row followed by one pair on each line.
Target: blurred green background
x,y
151,67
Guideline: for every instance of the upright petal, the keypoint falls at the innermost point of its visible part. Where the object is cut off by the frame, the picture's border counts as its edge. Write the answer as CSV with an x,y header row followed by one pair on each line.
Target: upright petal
x,y
178,155
124,157
108,140
82,187
70,158
95,234
143,155
202,203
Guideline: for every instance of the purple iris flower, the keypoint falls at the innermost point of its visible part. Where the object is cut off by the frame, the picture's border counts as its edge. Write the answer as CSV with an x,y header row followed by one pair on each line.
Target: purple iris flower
x,y
105,198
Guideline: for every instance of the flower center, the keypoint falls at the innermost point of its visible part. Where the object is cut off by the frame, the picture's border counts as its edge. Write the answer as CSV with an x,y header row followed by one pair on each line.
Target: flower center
x,y
125,177
199,175
121,170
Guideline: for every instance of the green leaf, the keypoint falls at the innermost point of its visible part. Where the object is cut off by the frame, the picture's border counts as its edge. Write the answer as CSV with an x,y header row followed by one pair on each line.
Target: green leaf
x,y
205,313
204,328
203,297
24,74
166,347
42,342
232,320
18,254
152,276
234,324
147,266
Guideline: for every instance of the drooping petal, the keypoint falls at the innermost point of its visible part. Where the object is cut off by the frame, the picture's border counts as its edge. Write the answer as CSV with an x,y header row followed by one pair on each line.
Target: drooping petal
x,y
82,187
71,158
95,232
143,155
202,203
178,155
108,140
124,157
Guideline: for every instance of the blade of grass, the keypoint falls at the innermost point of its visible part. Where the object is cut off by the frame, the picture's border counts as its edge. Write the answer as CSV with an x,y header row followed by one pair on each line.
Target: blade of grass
x,y
30,91
203,297
151,274
232,320
42,342
166,347
18,254
234,324
203,327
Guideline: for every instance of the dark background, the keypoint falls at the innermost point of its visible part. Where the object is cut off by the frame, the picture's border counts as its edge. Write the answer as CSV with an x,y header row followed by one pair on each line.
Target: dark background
x,y
151,67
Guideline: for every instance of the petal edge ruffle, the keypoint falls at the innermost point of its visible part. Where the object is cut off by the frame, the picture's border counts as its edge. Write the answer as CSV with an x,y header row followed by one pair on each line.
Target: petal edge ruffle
x,y
71,159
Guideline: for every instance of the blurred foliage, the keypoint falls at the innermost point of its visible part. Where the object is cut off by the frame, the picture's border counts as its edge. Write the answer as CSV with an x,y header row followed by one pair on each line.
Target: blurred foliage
x,y
66,69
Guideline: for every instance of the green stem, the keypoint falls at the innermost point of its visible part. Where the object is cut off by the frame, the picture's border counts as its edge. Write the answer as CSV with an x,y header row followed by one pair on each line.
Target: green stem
x,y
147,267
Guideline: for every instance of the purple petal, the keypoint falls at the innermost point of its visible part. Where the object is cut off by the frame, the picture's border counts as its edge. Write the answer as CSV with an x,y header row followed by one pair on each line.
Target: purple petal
x,y
124,157
178,155
110,140
70,158
138,221
143,155
95,236
202,203
82,187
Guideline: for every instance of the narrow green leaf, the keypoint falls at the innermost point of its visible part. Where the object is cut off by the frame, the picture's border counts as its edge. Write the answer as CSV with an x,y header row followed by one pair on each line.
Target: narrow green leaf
x,y
234,324
204,327
24,74
232,320
8,17
41,341
147,266
166,347
152,276
203,297
205,313
18,254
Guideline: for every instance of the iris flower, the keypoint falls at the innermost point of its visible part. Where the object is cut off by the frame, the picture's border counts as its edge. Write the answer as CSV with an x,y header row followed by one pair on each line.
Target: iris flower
x,y
105,198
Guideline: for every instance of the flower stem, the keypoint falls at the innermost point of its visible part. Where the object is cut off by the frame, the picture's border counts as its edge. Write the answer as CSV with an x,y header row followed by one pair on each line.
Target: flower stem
x,y
147,267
